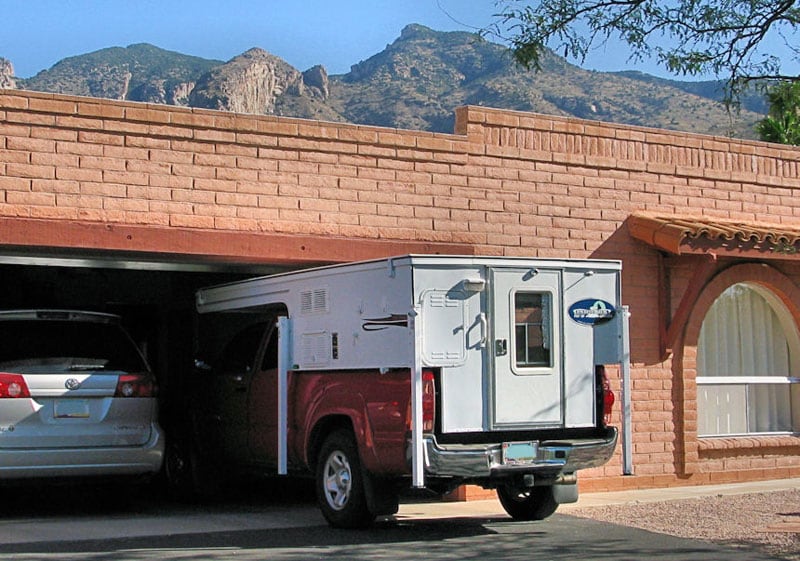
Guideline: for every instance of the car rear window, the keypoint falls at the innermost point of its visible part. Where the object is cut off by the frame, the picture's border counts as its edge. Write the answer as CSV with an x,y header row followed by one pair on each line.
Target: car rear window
x,y
31,346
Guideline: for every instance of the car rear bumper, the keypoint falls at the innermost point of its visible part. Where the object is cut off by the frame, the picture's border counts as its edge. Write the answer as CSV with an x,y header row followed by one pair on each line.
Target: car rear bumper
x,y
80,462
485,461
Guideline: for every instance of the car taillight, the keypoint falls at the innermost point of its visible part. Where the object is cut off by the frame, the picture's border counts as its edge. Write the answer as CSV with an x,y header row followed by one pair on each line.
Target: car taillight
x,y
428,402
608,399
135,385
12,386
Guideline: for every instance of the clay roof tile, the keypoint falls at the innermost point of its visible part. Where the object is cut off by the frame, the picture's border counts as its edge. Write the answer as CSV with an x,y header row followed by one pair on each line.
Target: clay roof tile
x,y
679,234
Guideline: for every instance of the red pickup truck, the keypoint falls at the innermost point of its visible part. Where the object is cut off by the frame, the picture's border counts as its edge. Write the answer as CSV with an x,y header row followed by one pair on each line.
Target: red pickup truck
x,y
319,372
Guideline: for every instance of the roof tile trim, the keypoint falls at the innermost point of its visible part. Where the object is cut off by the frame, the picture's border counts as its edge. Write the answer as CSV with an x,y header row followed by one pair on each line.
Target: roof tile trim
x,y
674,233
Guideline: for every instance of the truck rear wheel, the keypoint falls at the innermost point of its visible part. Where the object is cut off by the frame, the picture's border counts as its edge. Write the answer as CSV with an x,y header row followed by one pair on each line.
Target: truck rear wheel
x,y
340,483
534,503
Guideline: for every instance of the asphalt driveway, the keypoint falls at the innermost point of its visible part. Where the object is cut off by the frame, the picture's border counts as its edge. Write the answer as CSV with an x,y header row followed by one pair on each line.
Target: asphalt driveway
x,y
282,523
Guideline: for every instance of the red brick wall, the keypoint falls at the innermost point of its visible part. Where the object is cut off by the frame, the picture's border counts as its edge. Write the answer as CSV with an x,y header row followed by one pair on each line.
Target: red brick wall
x,y
115,175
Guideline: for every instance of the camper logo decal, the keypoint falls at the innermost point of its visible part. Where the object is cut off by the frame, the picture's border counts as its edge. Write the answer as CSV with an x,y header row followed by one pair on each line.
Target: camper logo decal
x,y
591,311
379,324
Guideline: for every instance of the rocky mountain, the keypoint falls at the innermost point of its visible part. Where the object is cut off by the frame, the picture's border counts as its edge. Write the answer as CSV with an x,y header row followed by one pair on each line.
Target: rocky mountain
x,y
254,82
7,80
416,83
752,99
139,72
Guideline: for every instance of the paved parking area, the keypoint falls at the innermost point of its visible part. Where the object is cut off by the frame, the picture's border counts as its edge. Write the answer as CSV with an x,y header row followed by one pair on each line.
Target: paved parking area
x,y
283,523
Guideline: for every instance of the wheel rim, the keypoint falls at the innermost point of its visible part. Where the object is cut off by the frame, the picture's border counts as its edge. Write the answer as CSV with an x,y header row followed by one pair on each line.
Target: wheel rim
x,y
519,496
338,480
176,465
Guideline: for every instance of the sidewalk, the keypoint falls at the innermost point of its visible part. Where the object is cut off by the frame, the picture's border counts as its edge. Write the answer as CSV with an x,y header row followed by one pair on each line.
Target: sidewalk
x,y
492,508
677,493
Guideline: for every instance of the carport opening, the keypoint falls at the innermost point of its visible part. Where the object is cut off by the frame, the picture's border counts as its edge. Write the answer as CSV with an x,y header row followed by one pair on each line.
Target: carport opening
x,y
154,299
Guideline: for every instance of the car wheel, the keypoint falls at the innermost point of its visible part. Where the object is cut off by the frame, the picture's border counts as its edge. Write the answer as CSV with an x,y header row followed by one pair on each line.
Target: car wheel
x,y
340,483
188,477
534,503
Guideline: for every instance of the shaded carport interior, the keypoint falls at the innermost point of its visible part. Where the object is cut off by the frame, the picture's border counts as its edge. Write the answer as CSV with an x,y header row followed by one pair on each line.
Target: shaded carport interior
x,y
148,275
155,298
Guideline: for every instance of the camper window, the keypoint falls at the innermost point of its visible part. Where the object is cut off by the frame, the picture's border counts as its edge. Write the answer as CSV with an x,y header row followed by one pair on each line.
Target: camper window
x,y
532,329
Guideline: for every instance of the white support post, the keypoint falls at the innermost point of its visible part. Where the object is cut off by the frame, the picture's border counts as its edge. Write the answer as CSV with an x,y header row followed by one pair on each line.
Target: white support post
x,y
284,365
417,449
627,424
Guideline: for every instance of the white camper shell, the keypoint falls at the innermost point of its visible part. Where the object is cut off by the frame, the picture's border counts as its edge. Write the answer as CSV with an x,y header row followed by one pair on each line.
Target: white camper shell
x,y
515,341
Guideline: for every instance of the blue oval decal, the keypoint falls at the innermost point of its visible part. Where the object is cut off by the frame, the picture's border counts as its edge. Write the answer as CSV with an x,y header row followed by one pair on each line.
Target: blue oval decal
x,y
591,311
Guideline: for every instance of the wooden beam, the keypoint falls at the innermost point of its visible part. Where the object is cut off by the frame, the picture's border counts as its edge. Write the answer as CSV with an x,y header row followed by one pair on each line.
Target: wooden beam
x,y
702,274
206,246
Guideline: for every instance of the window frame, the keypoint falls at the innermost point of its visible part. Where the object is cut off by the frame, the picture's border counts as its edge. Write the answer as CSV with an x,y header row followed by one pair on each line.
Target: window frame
x,y
548,333
792,379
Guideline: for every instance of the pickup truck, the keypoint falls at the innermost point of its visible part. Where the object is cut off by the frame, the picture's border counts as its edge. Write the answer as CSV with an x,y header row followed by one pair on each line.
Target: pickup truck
x,y
321,373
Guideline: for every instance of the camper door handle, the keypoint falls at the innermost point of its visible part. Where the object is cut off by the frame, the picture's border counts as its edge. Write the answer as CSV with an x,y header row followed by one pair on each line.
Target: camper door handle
x,y
501,347
484,330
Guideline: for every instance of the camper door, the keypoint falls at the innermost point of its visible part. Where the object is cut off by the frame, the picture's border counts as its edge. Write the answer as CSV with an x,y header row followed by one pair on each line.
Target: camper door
x,y
527,385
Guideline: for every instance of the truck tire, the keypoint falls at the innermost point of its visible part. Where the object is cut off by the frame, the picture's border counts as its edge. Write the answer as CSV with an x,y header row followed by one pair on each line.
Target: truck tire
x,y
534,503
340,483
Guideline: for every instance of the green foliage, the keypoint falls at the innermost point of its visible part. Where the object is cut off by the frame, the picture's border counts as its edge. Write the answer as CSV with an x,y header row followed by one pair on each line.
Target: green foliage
x,y
782,125
687,37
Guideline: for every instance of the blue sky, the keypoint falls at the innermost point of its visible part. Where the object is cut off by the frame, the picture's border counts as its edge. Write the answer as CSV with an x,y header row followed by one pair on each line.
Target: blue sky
x,y
334,33
337,34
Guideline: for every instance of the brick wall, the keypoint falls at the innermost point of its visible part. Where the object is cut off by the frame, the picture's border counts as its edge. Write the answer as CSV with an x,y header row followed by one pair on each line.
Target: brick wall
x,y
115,175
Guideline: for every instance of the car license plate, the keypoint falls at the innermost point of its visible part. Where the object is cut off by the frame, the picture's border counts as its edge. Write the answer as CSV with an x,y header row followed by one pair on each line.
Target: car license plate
x,y
520,453
71,409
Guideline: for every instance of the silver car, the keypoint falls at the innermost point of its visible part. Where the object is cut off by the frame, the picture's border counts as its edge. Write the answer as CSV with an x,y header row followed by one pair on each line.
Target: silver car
x,y
76,398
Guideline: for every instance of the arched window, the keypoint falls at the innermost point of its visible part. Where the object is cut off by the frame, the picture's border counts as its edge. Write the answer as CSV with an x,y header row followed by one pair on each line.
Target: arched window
x,y
748,356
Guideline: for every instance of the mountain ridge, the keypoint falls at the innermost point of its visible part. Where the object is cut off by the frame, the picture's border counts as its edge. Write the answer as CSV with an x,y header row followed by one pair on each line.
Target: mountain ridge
x,y
416,82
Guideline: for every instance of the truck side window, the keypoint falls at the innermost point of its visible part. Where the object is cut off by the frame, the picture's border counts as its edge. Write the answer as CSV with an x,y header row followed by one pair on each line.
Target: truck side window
x,y
240,352
270,361
532,329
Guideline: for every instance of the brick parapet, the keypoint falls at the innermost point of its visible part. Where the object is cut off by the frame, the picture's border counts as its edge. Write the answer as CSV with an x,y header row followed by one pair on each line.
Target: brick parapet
x,y
635,149
286,166
210,126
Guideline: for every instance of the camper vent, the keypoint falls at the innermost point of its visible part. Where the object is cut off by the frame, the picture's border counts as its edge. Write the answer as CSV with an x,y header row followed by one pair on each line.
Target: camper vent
x,y
315,349
445,322
314,301
442,300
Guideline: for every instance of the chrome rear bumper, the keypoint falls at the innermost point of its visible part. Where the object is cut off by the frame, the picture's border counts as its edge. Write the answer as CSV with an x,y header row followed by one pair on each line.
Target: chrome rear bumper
x,y
476,461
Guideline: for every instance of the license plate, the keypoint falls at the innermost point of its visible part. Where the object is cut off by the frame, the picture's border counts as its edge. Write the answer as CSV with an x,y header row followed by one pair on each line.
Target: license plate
x,y
518,453
71,409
